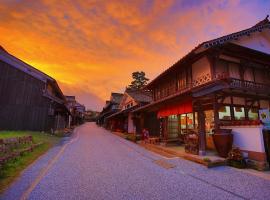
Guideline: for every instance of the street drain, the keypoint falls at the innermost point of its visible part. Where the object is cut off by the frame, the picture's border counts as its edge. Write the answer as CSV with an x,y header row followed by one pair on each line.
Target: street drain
x,y
164,164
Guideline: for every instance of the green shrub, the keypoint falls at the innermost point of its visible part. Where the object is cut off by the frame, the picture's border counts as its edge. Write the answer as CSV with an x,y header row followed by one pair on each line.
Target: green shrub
x,y
207,160
131,137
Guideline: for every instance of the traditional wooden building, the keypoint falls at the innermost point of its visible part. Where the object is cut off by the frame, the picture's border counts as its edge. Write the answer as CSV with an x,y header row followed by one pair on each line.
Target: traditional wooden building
x,y
111,107
123,120
76,109
222,83
30,99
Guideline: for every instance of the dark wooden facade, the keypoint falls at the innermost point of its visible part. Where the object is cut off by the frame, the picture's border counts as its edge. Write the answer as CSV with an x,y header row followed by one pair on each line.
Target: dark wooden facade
x,y
28,102
111,107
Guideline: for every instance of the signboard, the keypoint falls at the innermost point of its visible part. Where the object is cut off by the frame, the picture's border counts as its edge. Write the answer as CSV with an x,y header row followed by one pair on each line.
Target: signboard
x,y
265,117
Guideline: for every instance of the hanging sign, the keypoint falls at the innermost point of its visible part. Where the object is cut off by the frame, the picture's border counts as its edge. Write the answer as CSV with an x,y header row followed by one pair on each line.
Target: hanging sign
x,y
264,115
265,118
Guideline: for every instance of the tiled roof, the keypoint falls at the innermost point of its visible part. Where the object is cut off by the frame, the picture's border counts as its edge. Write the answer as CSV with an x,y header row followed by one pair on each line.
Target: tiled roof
x,y
116,97
2,49
140,96
123,111
234,36
21,65
28,69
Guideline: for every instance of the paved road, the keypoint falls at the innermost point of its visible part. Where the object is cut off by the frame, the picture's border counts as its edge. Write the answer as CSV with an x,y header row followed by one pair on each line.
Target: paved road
x,y
95,164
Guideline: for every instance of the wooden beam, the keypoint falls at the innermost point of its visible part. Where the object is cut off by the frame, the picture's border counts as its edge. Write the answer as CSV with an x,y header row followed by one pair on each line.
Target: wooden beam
x,y
231,109
165,128
179,124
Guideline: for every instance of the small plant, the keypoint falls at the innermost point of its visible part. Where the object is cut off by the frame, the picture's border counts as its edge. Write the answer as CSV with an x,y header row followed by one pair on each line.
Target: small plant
x,y
236,159
131,137
208,160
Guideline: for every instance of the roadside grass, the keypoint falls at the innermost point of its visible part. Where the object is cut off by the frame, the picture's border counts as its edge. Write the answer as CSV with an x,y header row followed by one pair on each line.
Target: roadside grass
x,y
12,169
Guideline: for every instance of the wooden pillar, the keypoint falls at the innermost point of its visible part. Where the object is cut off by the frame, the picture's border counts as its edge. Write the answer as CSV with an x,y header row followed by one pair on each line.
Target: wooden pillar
x,y
246,108
165,128
179,125
232,109
202,135
216,116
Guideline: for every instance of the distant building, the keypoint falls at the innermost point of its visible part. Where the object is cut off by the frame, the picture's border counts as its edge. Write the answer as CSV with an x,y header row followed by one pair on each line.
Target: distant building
x,y
111,106
91,116
124,120
30,99
77,111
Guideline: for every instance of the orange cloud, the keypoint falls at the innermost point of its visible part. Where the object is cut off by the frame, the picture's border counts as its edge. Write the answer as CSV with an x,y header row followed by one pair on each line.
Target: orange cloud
x,y
92,47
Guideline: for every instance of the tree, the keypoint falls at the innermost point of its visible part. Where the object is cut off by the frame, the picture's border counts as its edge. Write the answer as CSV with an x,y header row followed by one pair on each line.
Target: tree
x,y
139,80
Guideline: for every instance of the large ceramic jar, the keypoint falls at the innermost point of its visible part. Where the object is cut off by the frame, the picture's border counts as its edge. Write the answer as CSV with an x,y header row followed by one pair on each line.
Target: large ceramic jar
x,y
223,140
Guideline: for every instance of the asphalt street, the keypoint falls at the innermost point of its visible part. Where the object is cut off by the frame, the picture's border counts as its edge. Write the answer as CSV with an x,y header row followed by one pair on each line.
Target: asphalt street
x,y
95,164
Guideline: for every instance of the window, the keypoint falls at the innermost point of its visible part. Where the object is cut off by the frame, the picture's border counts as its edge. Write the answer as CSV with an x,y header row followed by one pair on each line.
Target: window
x,y
259,76
221,67
248,74
172,126
183,121
234,70
158,93
189,76
187,122
190,121
224,113
253,114
239,113
181,80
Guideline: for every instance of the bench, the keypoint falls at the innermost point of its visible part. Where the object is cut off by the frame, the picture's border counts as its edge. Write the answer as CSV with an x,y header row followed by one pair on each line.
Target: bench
x,y
153,140
171,140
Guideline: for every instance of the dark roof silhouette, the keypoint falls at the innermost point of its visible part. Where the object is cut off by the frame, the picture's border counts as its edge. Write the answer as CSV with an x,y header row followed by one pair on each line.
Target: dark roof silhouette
x,y
116,97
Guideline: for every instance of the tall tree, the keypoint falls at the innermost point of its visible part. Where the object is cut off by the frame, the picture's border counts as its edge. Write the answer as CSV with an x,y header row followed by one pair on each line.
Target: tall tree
x,y
139,80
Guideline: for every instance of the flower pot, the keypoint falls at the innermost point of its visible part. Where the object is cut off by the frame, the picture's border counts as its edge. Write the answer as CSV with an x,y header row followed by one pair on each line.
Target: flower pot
x,y
223,140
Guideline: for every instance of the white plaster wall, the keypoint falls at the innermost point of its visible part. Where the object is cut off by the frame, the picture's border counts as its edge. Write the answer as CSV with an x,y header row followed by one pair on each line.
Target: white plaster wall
x,y
259,41
131,127
248,138
200,67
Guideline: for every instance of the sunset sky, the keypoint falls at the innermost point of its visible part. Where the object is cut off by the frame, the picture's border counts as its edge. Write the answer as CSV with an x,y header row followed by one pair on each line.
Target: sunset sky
x,y
92,47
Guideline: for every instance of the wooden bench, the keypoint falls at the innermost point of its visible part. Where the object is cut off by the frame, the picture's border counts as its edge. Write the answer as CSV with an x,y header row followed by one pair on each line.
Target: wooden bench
x,y
10,147
171,140
153,140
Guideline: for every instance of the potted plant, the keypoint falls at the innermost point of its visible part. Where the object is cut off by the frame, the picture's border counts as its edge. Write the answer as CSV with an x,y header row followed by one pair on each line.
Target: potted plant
x,y
223,140
235,158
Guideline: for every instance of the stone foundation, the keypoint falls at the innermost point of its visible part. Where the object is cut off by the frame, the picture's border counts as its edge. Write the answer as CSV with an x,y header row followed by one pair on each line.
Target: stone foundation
x,y
258,165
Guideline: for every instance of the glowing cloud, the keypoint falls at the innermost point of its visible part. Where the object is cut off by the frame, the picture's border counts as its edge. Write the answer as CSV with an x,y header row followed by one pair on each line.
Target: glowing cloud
x,y
92,47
